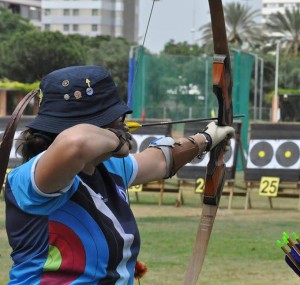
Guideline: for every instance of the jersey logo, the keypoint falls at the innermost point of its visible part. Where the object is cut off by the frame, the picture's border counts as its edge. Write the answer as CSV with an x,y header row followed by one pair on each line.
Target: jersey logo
x,y
122,193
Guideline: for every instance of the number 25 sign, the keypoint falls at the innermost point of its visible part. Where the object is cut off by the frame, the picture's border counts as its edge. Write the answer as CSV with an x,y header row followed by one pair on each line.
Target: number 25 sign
x,y
269,186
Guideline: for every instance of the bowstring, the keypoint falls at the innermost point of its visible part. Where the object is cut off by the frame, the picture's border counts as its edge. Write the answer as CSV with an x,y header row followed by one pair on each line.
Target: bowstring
x,y
148,23
131,91
137,64
133,81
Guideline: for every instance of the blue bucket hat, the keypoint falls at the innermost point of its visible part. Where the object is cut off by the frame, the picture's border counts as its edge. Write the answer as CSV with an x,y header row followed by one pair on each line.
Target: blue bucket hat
x,y
78,94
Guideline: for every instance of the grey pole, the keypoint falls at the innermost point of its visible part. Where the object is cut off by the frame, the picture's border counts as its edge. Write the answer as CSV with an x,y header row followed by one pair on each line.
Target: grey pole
x,y
261,87
255,88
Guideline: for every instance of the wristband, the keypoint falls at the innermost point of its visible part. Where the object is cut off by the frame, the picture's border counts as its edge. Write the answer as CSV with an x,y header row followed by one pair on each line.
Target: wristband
x,y
209,141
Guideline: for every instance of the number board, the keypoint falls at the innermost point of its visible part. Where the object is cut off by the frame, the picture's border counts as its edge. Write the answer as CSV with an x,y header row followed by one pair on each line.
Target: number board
x,y
199,185
269,186
136,188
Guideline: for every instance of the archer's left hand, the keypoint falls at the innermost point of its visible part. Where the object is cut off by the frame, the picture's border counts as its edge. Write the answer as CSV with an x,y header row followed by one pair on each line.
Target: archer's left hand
x,y
219,134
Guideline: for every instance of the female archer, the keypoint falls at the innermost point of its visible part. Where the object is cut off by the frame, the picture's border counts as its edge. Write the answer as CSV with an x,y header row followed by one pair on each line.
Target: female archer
x,y
68,218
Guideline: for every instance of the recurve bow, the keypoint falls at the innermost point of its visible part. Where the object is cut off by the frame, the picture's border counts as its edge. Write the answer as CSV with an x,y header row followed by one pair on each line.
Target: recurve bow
x,y
8,137
215,174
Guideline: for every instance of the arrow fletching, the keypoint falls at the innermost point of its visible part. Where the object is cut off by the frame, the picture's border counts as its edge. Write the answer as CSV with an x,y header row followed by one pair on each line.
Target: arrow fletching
x,y
279,243
295,236
133,126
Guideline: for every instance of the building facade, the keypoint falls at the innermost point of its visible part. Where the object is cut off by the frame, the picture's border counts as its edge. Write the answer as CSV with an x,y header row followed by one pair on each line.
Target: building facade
x,y
117,18
273,6
30,9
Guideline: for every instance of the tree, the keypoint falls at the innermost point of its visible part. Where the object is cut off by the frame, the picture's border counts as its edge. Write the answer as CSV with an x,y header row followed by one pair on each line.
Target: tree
x,y
289,75
242,29
112,54
286,28
182,48
12,23
29,56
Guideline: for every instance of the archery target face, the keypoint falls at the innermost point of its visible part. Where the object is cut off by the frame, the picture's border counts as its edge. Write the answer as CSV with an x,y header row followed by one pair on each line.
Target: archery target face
x,y
228,157
287,154
141,142
274,154
15,153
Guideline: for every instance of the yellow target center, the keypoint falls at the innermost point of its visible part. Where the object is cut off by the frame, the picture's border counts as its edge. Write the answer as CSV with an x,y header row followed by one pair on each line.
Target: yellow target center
x,y
261,154
288,154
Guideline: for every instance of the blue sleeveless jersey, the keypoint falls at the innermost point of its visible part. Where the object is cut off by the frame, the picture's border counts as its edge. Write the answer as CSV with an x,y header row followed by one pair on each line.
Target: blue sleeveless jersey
x,y
83,234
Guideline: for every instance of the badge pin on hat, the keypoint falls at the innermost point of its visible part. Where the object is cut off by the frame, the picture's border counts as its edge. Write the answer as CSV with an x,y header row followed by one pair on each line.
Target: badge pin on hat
x,y
89,90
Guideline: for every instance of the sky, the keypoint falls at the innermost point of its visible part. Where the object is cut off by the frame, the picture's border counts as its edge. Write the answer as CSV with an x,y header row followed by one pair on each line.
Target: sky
x,y
176,19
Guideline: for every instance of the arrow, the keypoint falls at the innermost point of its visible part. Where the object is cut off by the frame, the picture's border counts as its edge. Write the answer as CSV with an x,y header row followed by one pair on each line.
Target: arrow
x,y
135,125
290,242
296,237
289,256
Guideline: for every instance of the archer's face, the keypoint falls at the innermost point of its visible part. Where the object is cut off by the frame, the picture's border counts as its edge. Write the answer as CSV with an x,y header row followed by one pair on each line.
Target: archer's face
x,y
118,124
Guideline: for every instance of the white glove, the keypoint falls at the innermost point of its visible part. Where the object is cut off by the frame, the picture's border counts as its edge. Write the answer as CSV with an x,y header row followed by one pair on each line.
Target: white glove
x,y
218,134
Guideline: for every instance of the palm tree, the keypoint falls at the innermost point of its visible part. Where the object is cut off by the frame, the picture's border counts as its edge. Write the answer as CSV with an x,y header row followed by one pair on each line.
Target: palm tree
x,y
242,29
285,27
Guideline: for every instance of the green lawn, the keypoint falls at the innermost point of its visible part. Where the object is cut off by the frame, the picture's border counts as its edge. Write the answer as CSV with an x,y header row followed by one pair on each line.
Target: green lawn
x,y
242,248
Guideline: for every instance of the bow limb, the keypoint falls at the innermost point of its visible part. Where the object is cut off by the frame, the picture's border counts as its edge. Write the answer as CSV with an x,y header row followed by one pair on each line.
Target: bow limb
x,y
215,175
9,133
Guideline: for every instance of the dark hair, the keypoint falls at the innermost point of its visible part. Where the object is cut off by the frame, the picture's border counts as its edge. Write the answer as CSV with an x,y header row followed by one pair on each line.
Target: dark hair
x,y
34,142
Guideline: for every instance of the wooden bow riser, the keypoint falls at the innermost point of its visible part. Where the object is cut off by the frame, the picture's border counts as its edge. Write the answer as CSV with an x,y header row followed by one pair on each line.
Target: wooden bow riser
x,y
215,176
222,87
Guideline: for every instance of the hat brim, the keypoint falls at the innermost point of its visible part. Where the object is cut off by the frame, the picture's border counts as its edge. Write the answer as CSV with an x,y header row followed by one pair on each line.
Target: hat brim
x,y
58,124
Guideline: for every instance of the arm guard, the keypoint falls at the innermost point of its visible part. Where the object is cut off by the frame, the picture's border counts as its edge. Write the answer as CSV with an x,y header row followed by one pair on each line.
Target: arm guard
x,y
176,154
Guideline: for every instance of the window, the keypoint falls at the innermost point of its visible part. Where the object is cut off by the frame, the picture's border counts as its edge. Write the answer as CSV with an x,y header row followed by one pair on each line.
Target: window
x,y
94,12
47,27
66,27
75,12
47,12
94,28
75,28
66,12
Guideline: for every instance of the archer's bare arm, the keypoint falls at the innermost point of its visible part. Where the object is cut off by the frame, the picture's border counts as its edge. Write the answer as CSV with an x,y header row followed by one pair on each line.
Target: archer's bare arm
x,y
76,149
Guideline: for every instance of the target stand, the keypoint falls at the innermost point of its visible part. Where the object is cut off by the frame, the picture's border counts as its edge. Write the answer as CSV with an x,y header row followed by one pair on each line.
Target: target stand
x,y
141,138
193,174
274,154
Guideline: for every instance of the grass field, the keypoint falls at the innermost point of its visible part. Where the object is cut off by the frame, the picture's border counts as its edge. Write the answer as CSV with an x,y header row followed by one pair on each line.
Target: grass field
x,y
242,249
